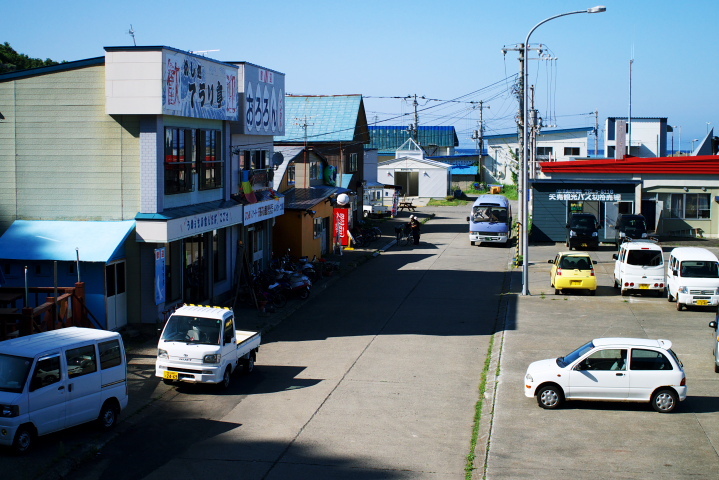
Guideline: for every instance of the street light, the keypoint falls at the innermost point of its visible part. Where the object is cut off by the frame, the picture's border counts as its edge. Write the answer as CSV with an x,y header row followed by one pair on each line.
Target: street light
x,y
525,147
695,140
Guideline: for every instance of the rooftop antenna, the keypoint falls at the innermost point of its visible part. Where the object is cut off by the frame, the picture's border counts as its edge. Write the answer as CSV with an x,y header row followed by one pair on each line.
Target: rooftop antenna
x,y
203,52
132,34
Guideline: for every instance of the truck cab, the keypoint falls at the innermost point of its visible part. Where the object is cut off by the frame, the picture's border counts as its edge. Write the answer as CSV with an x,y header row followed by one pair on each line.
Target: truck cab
x,y
201,344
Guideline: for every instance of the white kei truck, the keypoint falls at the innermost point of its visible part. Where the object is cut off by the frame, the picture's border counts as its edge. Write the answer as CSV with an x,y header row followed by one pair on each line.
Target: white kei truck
x,y
200,344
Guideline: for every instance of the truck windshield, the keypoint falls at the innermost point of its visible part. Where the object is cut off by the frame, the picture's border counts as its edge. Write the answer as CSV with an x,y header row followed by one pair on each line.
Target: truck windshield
x,y
489,214
699,269
13,372
181,328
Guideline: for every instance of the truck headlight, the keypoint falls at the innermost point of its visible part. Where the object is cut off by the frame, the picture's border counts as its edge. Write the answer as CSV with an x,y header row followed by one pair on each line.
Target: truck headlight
x,y
9,410
683,289
572,233
595,234
162,353
644,235
213,358
528,378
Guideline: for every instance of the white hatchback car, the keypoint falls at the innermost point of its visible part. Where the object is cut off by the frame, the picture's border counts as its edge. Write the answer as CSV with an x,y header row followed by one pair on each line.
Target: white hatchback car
x,y
613,369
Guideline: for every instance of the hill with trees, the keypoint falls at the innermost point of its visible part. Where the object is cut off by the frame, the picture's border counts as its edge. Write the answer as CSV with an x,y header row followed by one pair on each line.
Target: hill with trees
x,y
12,61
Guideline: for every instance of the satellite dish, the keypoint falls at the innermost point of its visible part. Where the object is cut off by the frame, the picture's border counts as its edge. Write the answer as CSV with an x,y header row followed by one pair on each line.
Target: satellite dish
x,y
343,199
277,159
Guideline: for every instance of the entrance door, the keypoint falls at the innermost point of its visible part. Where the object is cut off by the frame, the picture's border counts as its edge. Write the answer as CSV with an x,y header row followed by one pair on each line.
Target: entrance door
x,y
196,275
409,182
115,295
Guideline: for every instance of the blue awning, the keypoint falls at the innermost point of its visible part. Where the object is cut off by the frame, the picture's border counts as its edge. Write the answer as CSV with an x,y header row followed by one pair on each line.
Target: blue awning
x,y
57,240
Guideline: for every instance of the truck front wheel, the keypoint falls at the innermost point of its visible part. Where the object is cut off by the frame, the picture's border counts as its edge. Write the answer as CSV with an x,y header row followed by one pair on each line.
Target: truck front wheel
x,y
226,377
248,364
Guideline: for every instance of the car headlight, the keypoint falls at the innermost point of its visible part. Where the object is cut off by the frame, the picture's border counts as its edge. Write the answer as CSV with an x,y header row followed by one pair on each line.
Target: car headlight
x,y
162,353
595,234
9,410
214,358
644,235
683,289
572,233
528,378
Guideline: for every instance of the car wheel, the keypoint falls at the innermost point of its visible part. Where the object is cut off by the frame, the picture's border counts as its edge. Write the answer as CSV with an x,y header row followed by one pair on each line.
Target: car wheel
x,y
248,365
108,416
679,306
226,377
670,298
557,291
166,381
716,368
24,440
665,401
592,292
625,292
550,396
616,284
471,243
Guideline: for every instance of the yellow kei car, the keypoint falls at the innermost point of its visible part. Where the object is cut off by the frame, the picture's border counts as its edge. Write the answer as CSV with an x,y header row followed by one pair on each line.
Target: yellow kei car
x,y
573,270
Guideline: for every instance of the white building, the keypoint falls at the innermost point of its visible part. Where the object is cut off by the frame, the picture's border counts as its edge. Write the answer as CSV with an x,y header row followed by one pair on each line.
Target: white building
x,y
418,176
648,137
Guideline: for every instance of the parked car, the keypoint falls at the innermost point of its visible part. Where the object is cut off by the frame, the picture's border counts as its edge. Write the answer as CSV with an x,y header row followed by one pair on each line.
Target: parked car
x,y
611,369
693,277
573,271
630,226
715,343
639,267
582,231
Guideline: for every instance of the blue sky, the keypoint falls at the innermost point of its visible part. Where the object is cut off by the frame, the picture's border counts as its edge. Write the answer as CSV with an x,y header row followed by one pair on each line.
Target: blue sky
x,y
442,50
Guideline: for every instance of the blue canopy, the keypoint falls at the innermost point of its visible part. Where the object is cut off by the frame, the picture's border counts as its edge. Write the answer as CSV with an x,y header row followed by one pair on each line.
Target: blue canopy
x,y
57,240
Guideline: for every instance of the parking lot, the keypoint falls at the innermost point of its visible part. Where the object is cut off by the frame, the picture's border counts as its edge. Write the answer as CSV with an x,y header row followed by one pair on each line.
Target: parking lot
x,y
595,439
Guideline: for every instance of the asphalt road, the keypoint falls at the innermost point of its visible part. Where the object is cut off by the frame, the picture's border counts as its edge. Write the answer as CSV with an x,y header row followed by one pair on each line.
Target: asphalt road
x,y
376,378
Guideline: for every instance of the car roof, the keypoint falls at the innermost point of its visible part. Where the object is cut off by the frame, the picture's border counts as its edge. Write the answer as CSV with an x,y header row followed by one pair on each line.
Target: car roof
x,y
632,342
31,345
641,244
693,253
576,254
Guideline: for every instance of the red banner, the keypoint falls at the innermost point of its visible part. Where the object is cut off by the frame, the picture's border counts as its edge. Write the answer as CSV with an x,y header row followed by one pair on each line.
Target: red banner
x,y
341,225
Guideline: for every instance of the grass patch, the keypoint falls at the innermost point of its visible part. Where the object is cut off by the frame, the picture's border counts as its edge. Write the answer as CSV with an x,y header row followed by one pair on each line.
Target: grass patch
x,y
470,467
448,202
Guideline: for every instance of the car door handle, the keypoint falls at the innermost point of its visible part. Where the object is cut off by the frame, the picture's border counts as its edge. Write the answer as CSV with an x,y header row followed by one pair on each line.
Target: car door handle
x,y
61,388
619,374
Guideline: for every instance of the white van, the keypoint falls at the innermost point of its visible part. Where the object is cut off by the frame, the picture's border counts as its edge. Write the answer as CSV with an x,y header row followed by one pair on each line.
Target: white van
x,y
58,379
639,267
693,277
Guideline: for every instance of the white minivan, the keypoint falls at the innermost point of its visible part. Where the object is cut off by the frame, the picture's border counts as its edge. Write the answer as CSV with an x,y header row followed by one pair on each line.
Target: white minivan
x,y
693,277
58,379
639,267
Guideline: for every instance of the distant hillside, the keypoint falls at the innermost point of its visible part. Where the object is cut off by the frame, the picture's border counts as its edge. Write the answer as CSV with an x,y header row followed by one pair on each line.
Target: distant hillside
x,y
11,61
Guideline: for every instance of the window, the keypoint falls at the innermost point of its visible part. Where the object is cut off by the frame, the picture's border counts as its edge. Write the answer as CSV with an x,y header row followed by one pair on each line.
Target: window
x,y
545,151
315,170
179,160
609,359
353,165
209,155
47,372
686,205
317,227
229,330
571,151
649,360
291,173
110,355
81,361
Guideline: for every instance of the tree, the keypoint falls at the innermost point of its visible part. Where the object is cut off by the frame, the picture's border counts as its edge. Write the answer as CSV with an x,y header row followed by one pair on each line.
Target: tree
x,y
11,61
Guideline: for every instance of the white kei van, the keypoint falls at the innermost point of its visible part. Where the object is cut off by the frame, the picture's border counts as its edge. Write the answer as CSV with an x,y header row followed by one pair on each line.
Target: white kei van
x,y
639,267
58,379
693,277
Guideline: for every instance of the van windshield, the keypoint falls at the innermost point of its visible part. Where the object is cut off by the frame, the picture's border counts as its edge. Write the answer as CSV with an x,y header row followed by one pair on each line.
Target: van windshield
x,y
699,269
489,214
181,328
583,222
13,372
649,258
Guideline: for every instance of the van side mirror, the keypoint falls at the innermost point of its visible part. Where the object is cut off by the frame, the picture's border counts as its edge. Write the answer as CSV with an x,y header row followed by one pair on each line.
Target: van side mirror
x,y
713,325
615,256
599,226
550,261
468,219
594,262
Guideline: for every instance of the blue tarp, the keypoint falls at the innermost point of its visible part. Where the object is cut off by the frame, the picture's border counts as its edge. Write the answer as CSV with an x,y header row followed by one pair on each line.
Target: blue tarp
x,y
57,240
464,170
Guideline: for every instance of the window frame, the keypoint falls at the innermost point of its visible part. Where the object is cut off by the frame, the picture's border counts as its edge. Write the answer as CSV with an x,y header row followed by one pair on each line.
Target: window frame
x,y
178,170
209,159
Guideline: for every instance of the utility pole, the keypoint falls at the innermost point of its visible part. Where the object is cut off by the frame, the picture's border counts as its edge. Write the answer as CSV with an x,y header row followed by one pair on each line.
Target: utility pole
x,y
304,125
414,129
478,134
596,134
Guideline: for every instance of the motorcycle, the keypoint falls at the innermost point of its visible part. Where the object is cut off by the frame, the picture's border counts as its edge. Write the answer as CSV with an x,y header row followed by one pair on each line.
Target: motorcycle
x,y
295,283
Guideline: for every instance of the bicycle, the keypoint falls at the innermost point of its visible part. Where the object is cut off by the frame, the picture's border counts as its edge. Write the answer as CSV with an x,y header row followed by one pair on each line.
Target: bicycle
x,y
404,236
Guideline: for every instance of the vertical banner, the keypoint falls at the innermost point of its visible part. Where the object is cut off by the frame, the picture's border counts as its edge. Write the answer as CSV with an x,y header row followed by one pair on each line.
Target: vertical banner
x,y
341,226
159,275
395,202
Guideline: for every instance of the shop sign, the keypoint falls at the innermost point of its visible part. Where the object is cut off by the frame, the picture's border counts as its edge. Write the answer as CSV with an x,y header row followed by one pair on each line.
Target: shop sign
x,y
159,275
341,226
263,210
264,101
585,194
199,88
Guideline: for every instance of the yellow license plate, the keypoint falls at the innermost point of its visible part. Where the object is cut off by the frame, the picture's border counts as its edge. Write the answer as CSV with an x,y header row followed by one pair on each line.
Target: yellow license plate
x,y
643,286
575,282
702,302
170,375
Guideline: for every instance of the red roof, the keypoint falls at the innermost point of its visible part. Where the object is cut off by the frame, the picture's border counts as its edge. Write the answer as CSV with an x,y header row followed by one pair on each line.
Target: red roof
x,y
704,165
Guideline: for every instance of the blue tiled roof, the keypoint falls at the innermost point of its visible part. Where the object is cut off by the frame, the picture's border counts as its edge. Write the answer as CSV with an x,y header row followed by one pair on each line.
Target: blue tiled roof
x,y
390,138
338,118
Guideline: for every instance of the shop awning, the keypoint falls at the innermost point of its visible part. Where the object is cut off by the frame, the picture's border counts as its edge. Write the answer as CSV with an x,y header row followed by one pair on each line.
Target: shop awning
x,y
58,240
